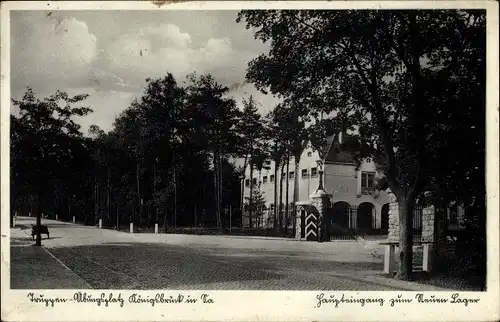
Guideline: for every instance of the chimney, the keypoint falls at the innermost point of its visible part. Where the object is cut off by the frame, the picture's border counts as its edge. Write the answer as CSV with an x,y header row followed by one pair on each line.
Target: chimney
x,y
342,132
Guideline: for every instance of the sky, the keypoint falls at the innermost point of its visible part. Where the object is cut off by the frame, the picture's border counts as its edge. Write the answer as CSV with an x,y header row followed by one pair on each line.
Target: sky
x,y
109,54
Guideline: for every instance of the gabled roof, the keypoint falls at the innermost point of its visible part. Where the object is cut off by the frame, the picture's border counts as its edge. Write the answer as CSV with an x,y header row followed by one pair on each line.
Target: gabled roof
x,y
326,148
338,152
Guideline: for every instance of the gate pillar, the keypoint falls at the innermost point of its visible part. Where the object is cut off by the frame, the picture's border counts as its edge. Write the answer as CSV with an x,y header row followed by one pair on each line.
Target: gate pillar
x,y
303,209
320,200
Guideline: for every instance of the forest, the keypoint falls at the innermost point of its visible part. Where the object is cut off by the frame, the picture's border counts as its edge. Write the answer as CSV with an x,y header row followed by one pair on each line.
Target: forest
x,y
169,159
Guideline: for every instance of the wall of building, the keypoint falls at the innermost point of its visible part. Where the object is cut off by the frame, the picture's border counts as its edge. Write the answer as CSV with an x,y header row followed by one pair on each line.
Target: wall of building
x,y
343,181
306,186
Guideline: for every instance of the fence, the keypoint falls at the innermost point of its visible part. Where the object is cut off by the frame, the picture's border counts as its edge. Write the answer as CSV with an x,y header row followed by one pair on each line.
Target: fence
x,y
347,222
265,218
344,222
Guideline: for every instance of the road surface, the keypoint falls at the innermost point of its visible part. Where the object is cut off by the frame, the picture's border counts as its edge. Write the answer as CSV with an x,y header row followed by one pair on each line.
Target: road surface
x,y
88,257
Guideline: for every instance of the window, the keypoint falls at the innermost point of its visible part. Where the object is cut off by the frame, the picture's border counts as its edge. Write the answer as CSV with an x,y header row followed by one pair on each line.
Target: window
x,y
291,175
247,183
314,172
367,181
268,162
254,181
305,175
271,178
264,179
309,154
272,207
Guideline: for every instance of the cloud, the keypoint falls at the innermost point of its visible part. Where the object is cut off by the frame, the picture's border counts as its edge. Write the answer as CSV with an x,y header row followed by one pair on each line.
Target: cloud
x,y
156,50
59,50
75,54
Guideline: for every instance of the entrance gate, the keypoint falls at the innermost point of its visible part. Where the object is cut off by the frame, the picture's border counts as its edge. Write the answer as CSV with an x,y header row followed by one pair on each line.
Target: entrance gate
x,y
341,218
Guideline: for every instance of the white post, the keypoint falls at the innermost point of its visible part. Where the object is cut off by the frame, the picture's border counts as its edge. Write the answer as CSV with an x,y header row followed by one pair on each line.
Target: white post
x,y
74,219
14,221
29,214
131,227
156,228
427,260
57,216
230,219
100,223
389,261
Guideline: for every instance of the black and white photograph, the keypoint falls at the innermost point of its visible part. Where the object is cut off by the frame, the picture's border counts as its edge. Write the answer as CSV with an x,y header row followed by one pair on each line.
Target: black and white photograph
x,y
328,150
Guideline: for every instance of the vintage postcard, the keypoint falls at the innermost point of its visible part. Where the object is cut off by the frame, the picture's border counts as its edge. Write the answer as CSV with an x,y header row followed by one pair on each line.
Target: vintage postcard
x,y
241,161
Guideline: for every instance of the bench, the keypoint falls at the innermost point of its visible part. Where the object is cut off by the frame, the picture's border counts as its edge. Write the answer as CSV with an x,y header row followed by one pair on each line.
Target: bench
x,y
43,230
390,250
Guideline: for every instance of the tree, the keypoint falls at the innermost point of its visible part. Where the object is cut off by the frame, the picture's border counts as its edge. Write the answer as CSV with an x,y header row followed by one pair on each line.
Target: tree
x,y
216,116
251,132
377,67
256,202
45,141
289,130
274,135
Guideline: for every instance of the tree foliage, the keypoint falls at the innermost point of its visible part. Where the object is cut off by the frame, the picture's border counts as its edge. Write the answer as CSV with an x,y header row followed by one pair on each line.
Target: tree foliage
x,y
381,73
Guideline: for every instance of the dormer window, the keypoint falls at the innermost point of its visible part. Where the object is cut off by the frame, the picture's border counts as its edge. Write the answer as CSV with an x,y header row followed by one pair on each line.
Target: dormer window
x,y
309,154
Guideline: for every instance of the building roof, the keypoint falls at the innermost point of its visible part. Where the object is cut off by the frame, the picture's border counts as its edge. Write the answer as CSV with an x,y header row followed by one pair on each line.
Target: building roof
x,y
326,148
309,209
339,152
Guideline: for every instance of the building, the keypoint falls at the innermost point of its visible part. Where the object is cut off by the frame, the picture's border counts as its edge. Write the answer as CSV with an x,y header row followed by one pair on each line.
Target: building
x,y
355,202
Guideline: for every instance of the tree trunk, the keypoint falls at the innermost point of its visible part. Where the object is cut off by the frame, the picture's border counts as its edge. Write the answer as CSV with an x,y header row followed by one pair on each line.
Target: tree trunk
x,y
287,210
221,196
96,200
154,191
276,166
295,192
175,194
281,195
250,200
138,178
108,201
216,203
39,218
195,214
242,183
406,206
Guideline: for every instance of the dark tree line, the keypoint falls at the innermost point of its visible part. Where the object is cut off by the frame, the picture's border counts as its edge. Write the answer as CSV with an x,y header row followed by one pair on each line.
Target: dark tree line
x,y
169,158
166,160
